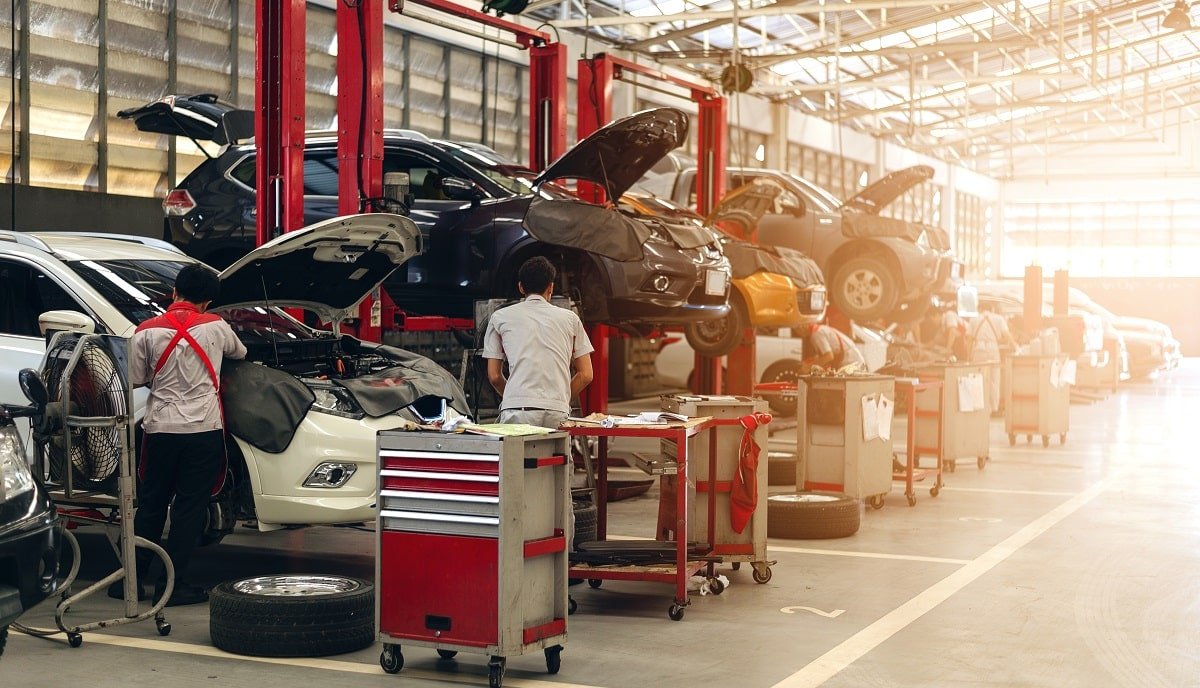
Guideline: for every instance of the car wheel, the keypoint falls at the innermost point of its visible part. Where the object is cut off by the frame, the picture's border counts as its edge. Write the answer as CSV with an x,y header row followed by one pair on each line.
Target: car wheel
x,y
292,615
865,288
812,515
781,471
782,371
719,337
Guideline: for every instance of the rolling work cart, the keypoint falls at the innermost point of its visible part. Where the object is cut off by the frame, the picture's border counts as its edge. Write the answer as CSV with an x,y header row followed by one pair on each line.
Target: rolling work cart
x,y
924,404
471,546
831,451
1036,403
963,433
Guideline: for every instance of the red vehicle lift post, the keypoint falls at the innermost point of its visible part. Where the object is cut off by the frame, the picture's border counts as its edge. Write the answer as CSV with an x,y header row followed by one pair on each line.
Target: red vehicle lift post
x,y
279,53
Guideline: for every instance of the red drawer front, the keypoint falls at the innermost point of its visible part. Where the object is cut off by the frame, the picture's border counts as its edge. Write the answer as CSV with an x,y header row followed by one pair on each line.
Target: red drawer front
x,y
441,465
431,481
441,588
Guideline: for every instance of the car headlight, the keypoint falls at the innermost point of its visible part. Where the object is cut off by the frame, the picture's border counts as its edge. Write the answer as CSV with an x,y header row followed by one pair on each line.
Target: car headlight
x,y
334,400
17,477
658,236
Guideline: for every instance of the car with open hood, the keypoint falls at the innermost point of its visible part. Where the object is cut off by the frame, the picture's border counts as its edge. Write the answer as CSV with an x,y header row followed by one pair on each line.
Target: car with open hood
x,y
875,266
302,411
773,287
482,216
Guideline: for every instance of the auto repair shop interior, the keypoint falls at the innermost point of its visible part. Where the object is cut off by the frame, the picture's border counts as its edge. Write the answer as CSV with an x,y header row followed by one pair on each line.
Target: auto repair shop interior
x,y
887,303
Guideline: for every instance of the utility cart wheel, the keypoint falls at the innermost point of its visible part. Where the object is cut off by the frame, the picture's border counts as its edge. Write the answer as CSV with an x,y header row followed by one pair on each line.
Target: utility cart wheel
x,y
447,654
675,612
391,659
715,586
950,465
164,627
496,672
912,499
761,574
935,490
981,461
1045,440
736,565
572,605
74,639
875,501
553,659
1062,438
595,583
1012,439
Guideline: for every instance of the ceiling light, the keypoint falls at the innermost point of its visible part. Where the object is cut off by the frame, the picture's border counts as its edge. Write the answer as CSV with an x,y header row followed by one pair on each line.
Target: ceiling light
x,y
1177,18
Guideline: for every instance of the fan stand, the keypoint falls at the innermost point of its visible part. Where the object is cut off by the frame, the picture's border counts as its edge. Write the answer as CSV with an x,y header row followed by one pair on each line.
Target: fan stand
x,y
81,506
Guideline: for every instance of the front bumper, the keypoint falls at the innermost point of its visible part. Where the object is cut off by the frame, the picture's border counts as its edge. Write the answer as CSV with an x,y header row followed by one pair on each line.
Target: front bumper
x,y
774,301
29,554
669,286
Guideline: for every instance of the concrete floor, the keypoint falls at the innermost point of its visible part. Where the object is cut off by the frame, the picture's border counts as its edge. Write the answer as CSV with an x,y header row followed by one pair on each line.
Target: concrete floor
x,y
1075,565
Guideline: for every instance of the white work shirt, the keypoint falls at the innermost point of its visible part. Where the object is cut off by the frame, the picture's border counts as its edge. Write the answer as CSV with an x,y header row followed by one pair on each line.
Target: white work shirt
x,y
540,341
828,339
988,330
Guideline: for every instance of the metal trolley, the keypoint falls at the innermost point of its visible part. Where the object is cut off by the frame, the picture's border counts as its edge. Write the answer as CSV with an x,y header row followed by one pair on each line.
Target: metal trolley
x,y
471,546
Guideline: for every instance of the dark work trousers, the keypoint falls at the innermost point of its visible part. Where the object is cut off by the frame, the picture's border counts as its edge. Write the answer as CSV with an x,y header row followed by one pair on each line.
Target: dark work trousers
x,y
183,466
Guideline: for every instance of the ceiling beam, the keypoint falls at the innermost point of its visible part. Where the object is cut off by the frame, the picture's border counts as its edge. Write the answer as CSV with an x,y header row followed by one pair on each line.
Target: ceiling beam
x,y
766,11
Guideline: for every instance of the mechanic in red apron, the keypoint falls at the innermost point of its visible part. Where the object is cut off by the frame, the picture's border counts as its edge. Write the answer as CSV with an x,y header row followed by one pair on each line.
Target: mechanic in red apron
x,y
178,355
828,348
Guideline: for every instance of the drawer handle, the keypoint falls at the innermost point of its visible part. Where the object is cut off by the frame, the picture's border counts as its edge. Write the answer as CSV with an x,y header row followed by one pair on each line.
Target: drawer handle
x,y
433,475
444,518
494,458
440,496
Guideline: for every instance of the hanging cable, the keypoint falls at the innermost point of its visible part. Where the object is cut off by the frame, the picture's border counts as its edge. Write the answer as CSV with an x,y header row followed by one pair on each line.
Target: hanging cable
x,y
12,126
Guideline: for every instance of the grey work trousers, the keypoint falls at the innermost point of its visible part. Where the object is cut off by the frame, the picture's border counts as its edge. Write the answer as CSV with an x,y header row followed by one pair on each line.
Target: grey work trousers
x,y
539,417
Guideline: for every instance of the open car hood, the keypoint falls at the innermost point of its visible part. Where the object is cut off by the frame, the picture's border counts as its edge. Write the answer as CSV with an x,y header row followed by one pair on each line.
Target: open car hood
x,y
198,117
746,258
620,153
327,268
741,209
873,198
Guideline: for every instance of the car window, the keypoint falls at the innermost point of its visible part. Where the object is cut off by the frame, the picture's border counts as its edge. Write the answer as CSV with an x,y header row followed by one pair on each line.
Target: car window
x,y
320,173
424,176
139,289
26,293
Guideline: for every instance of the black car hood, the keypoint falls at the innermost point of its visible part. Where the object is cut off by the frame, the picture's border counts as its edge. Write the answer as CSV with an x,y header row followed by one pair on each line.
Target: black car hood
x,y
684,227
577,224
617,155
746,258
199,117
873,198
327,267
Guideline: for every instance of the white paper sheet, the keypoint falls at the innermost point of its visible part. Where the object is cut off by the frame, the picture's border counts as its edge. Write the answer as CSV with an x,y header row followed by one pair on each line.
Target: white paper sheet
x,y
970,393
1067,376
1056,367
884,409
870,418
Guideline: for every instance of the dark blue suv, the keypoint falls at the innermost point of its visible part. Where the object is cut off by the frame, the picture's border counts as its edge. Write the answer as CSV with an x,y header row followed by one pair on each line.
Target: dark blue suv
x,y
482,216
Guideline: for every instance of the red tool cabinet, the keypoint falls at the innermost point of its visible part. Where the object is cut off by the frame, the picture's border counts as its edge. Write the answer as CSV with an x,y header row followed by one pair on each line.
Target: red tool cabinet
x,y
471,551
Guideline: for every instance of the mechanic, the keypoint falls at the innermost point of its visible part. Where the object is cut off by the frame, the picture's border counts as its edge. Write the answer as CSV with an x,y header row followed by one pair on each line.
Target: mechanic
x,y
989,334
830,349
541,343
953,334
178,355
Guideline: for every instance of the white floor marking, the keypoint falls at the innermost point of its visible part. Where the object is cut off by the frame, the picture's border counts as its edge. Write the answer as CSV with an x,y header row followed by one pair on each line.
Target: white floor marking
x,y
372,669
997,490
865,555
856,646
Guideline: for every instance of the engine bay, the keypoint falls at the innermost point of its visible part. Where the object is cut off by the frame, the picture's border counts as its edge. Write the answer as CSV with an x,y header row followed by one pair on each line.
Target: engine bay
x,y
322,358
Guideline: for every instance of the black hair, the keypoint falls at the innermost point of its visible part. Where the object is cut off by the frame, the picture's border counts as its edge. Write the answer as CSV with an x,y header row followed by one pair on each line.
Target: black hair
x,y
536,275
197,283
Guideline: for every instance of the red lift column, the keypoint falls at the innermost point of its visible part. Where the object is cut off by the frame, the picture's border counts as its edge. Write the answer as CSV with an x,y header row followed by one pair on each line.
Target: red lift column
x,y
360,126
279,55
547,104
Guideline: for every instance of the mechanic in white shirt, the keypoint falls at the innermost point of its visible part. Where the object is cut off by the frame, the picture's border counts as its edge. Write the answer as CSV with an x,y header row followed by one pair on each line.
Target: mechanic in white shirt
x,y
830,348
988,333
542,343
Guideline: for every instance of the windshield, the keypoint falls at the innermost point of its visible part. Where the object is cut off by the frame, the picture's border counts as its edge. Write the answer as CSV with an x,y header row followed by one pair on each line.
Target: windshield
x,y
142,289
505,173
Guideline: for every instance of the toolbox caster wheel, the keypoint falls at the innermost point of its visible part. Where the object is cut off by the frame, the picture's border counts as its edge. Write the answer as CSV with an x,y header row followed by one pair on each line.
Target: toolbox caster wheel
x,y
950,465
933,491
595,583
164,628
675,612
761,575
912,499
715,586
875,501
736,565
447,654
572,605
391,659
1012,440
1045,440
553,659
496,672
981,462
1062,438
74,639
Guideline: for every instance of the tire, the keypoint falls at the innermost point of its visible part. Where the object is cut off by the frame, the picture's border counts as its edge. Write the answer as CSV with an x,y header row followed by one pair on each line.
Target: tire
x,y
292,615
812,515
719,337
781,471
585,524
782,371
3,638
865,288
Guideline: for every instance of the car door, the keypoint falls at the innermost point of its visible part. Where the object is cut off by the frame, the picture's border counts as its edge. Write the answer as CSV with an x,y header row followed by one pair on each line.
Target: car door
x,y
821,231
459,241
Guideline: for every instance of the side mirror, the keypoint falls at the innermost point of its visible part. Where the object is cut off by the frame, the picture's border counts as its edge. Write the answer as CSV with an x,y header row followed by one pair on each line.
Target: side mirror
x,y
33,388
794,210
65,321
461,190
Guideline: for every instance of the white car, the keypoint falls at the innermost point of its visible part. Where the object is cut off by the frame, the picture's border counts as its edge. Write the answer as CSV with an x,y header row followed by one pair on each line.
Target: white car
x,y
302,447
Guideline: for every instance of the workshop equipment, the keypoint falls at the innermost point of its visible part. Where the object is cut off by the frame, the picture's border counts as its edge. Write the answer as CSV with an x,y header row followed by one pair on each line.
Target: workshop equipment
x,y
717,456
924,402
1038,399
471,542
84,438
837,449
965,418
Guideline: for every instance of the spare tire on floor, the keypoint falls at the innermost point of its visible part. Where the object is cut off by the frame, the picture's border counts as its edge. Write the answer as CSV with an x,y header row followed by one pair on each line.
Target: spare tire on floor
x,y
298,615
781,471
812,515
585,523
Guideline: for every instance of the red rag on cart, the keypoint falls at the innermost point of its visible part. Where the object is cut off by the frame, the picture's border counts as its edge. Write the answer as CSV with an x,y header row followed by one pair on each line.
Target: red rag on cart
x,y
743,498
